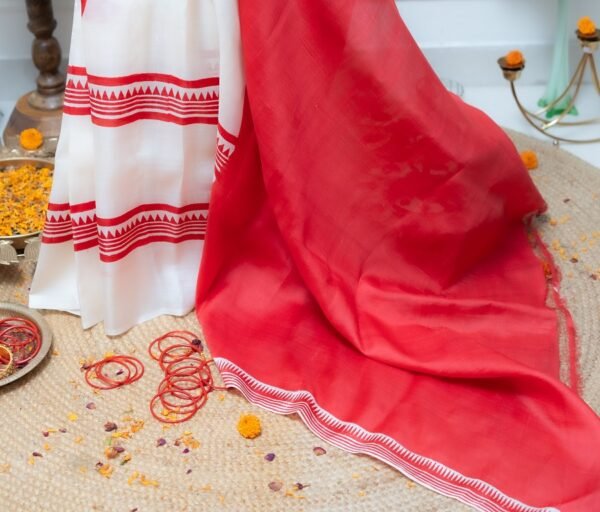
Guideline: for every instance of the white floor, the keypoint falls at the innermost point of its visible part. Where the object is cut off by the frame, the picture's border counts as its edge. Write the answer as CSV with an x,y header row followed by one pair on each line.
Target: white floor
x,y
497,102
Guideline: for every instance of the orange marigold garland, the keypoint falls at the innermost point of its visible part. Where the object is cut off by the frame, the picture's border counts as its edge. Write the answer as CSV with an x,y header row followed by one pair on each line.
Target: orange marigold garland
x,y
586,26
31,139
530,160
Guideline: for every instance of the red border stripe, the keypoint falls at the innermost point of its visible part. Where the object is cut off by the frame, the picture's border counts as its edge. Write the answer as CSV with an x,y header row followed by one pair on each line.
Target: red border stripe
x,y
152,77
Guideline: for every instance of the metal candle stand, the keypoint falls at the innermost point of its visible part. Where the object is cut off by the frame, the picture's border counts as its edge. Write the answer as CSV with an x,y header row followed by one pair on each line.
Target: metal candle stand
x,y
589,44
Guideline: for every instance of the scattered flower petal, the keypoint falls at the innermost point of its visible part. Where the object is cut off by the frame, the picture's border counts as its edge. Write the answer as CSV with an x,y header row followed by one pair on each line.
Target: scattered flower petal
x,y
276,485
91,406
530,160
72,416
318,451
37,454
111,453
269,457
106,470
109,426
161,442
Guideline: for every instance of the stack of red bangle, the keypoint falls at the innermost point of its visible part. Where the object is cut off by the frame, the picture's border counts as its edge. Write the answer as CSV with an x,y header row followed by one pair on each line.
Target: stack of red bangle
x,y
188,379
130,370
22,337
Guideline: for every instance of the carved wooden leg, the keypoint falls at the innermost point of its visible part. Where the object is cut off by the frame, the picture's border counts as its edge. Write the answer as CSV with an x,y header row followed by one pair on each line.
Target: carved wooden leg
x,y
42,108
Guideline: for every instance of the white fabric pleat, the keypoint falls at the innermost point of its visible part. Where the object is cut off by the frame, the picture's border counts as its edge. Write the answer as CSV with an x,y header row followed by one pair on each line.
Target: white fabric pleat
x,y
136,157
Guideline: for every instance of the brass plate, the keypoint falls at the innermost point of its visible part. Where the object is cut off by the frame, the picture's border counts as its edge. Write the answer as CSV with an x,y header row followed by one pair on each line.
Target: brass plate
x,y
18,241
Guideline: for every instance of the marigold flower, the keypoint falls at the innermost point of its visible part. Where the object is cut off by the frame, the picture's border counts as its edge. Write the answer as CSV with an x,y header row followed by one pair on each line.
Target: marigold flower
x,y
515,58
530,160
586,26
249,426
31,139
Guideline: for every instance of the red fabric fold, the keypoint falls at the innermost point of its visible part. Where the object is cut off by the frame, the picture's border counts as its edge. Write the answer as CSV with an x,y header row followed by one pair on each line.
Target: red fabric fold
x,y
367,266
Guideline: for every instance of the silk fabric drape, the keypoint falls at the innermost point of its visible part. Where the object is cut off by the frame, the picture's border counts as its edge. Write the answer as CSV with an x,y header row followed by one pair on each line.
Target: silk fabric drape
x,y
367,266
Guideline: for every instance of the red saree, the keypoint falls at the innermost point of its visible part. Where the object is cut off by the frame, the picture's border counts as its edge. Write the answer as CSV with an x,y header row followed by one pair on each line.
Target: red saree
x,y
367,266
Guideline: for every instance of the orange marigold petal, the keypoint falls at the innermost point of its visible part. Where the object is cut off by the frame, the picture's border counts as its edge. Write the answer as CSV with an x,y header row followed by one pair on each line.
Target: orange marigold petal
x,y
530,160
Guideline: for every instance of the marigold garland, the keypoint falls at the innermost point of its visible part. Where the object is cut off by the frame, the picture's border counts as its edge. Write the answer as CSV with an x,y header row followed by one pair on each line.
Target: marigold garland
x,y
249,426
31,139
515,58
530,160
586,26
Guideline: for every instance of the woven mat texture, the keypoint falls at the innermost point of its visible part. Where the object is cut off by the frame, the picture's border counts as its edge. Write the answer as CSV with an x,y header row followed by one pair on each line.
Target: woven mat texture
x,y
227,472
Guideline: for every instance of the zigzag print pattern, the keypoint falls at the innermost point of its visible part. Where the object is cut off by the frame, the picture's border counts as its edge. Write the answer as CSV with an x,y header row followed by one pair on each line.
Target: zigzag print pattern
x,y
117,101
119,236
225,147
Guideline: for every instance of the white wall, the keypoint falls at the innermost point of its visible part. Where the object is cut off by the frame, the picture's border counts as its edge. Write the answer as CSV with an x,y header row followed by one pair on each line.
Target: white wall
x,y
461,38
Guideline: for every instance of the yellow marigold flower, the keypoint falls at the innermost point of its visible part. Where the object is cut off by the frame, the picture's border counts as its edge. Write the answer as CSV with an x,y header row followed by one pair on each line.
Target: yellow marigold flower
x,y
31,139
249,426
515,58
586,26
530,160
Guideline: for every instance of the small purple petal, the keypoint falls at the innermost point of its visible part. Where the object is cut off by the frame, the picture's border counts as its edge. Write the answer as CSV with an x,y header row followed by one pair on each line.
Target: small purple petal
x,y
45,434
118,449
161,441
109,426
37,454
269,457
318,451
275,485
62,430
188,471
91,406
187,450
120,372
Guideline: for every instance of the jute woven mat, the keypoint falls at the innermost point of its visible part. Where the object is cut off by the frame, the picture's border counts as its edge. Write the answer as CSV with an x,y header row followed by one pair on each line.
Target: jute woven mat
x,y
227,472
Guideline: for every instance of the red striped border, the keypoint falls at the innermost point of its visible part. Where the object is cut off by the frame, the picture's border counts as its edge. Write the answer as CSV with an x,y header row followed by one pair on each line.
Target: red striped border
x,y
354,439
119,236
158,97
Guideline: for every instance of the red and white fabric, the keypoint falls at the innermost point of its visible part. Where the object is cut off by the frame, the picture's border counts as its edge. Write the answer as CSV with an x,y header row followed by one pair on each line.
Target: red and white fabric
x,y
154,94
367,267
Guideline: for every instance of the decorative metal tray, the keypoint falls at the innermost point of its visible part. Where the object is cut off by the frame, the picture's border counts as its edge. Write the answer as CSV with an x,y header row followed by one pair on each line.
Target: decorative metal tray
x,y
14,248
8,309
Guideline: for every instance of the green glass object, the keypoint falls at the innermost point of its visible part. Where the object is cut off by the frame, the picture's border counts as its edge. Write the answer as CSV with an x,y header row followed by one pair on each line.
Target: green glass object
x,y
559,76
